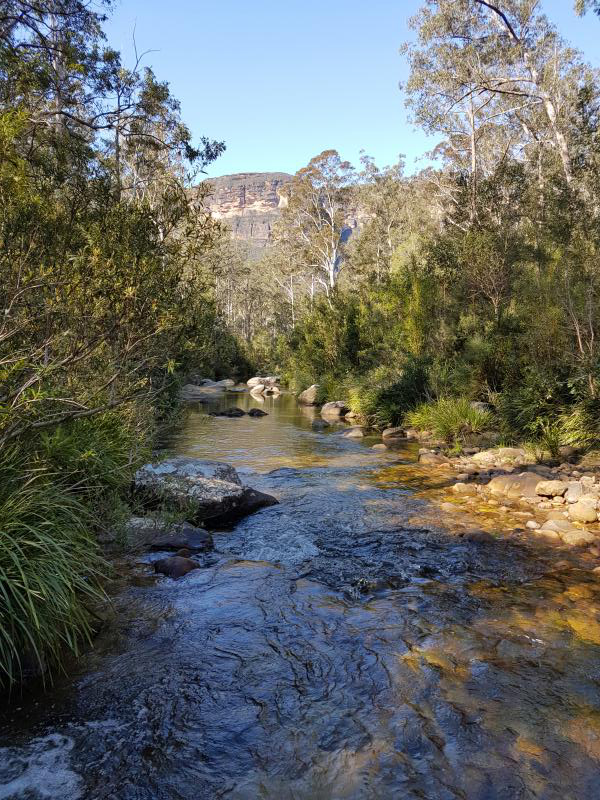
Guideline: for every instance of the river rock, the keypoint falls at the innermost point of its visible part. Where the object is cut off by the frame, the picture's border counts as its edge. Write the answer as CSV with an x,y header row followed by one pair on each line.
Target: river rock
x,y
208,491
584,510
576,537
184,537
226,383
257,412
465,489
175,566
272,390
258,389
574,491
229,412
499,454
433,459
309,396
393,433
319,424
532,524
355,432
337,408
514,486
558,525
254,382
551,488
378,447
191,393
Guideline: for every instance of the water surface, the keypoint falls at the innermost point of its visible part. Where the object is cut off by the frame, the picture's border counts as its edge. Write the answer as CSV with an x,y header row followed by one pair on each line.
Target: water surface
x,y
333,647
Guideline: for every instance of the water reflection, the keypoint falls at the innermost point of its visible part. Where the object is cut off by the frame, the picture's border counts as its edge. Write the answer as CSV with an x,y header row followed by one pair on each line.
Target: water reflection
x,y
331,650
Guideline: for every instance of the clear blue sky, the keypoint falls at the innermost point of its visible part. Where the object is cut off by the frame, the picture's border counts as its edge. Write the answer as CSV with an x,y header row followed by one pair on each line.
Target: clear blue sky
x,y
281,80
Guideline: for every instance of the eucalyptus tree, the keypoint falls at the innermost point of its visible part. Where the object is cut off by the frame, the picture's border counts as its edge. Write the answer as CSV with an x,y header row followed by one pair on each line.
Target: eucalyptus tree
x,y
313,222
581,6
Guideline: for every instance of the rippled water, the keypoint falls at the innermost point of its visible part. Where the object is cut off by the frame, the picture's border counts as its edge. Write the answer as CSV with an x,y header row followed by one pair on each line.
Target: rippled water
x,y
331,648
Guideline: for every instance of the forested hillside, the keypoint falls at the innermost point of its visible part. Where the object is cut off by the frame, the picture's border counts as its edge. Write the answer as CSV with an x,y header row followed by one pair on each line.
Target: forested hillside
x,y
476,277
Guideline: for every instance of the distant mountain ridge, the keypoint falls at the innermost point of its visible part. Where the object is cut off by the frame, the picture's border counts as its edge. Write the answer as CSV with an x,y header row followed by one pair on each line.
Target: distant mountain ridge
x,y
249,203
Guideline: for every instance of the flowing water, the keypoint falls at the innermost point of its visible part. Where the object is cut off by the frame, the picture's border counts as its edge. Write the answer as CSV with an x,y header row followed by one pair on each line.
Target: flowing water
x,y
333,647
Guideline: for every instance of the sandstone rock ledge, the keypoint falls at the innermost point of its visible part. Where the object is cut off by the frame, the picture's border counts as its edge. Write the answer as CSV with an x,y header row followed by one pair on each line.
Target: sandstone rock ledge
x,y
210,492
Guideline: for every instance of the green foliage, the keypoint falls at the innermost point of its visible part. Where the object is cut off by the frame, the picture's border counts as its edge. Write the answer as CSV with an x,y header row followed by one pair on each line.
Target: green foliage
x,y
383,396
50,569
449,418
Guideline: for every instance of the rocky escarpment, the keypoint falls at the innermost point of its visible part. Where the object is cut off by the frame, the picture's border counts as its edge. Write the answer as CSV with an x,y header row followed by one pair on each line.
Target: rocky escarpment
x,y
248,203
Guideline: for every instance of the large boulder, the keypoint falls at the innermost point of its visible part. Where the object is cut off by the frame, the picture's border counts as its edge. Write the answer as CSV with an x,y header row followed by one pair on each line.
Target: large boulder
x,y
309,396
269,380
335,409
584,510
514,486
210,492
552,488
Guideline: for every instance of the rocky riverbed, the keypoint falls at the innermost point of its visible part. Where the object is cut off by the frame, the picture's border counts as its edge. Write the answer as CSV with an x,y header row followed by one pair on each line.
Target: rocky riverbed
x,y
352,641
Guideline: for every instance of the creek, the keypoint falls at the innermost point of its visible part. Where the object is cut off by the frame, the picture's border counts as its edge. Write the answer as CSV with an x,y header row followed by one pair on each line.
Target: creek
x,y
332,647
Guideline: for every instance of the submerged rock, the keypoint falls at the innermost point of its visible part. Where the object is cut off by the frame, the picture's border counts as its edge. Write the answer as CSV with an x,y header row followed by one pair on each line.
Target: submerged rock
x,y
175,566
257,412
207,491
229,412
319,424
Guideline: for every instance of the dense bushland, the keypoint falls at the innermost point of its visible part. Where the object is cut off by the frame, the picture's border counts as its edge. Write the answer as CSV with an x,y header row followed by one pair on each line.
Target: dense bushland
x,y
105,300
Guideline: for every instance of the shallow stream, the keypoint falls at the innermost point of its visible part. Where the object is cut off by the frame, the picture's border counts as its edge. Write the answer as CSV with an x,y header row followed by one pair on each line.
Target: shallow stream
x,y
331,648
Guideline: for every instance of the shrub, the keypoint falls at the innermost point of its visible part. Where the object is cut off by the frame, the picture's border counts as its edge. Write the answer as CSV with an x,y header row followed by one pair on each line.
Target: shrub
x,y
383,396
50,567
452,419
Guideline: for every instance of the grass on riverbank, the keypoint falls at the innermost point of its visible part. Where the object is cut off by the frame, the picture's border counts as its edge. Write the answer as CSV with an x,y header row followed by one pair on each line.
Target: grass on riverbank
x,y
55,495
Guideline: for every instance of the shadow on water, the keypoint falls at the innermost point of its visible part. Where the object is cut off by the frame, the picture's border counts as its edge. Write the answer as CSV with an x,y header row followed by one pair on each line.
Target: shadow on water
x,y
329,650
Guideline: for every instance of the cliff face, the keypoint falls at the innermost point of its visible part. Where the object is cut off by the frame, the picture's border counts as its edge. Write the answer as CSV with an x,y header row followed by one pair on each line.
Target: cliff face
x,y
248,203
